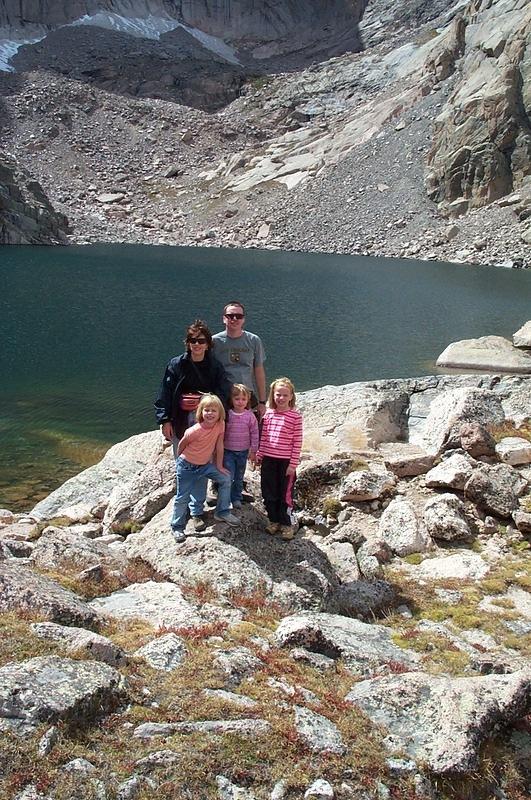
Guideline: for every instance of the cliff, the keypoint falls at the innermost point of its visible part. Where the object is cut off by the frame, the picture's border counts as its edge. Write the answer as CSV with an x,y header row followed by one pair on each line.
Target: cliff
x,y
234,20
26,214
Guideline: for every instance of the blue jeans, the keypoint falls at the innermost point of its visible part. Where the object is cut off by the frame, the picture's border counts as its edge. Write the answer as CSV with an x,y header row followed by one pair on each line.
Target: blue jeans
x,y
235,461
199,492
190,477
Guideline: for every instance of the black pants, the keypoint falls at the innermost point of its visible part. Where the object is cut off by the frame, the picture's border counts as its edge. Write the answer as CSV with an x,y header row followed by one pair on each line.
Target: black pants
x,y
277,488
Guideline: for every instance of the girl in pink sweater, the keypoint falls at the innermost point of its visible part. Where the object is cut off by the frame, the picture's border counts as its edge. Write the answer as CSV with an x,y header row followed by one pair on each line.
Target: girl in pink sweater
x,y
279,454
241,440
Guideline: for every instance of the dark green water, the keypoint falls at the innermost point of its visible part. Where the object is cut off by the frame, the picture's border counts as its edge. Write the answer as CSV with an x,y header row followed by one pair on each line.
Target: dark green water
x,y
85,333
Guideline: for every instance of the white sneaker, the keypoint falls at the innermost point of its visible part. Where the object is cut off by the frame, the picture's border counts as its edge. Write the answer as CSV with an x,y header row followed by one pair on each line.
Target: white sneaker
x,y
179,536
229,518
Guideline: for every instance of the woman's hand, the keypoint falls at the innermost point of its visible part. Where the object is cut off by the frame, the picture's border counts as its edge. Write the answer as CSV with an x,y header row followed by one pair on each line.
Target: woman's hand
x,y
167,431
290,470
252,458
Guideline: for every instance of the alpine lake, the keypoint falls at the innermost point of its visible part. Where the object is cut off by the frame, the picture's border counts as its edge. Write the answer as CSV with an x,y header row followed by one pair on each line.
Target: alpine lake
x,y
86,331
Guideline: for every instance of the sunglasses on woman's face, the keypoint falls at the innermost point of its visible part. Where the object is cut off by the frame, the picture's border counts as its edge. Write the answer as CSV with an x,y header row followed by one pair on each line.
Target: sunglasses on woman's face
x,y
197,340
234,316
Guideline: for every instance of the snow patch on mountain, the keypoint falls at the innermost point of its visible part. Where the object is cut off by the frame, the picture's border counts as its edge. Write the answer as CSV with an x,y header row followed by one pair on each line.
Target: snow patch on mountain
x,y
152,27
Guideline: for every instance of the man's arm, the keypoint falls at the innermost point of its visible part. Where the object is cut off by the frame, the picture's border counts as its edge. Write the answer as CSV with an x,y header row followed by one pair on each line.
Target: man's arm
x,y
260,378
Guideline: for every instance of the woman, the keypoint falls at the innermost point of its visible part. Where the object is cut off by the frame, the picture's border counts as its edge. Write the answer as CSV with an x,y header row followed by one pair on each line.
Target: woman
x,y
187,377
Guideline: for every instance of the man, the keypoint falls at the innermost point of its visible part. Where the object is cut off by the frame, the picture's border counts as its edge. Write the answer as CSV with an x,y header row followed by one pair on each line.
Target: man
x,y
242,354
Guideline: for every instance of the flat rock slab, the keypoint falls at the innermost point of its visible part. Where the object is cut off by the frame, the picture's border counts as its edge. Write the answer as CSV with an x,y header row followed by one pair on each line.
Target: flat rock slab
x,y
464,565
440,720
241,727
21,589
514,450
49,689
364,648
80,640
406,460
493,353
161,604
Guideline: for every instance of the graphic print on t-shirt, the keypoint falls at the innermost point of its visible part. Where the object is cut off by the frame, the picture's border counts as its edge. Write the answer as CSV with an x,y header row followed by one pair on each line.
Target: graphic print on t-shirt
x,y
234,354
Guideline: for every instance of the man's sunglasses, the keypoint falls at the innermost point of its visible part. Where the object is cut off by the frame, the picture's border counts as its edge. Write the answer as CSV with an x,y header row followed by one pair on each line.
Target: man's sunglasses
x,y
197,340
235,316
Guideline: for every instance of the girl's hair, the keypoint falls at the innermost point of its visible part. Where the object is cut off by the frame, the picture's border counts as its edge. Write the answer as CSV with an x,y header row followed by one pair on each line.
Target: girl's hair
x,y
281,382
196,329
240,388
209,400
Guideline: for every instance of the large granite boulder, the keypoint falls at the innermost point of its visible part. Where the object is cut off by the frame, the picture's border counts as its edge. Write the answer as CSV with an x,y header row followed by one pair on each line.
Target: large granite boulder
x,y
52,689
79,640
402,528
88,494
21,589
488,352
59,548
454,407
161,604
522,337
452,472
444,517
439,720
364,648
297,574
347,418
496,488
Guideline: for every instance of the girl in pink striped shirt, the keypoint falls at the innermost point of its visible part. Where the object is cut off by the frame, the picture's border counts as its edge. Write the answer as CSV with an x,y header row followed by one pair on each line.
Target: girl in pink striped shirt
x,y
279,454
241,440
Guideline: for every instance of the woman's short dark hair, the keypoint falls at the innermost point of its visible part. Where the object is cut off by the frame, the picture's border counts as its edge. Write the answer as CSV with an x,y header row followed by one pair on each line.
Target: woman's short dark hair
x,y
198,328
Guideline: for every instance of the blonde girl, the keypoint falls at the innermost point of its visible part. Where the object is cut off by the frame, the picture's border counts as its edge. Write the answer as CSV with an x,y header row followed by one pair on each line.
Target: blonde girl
x,y
241,439
279,454
199,447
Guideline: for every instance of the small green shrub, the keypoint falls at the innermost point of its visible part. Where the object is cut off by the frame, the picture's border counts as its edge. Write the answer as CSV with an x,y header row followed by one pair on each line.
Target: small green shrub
x,y
331,507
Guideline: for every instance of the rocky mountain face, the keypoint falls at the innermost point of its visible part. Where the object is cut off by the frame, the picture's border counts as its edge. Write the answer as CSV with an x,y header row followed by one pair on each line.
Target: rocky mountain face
x,y
233,20
26,214
241,142
382,652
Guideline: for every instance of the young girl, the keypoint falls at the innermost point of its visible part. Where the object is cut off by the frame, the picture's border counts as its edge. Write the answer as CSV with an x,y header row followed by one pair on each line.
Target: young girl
x,y
197,447
279,453
241,440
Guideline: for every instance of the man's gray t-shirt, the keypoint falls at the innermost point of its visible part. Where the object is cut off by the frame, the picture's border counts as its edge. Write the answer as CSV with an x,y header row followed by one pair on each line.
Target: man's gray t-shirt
x,y
240,356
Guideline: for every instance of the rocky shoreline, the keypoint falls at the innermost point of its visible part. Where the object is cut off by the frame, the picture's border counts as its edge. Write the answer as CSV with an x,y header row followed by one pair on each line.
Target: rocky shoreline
x,y
383,653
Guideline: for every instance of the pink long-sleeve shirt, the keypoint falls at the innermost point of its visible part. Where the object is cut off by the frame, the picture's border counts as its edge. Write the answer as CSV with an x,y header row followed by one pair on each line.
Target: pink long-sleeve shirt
x,y
241,431
281,435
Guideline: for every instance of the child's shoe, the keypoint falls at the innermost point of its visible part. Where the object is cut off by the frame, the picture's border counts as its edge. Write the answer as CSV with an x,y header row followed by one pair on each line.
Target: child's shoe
x,y
179,536
236,503
229,518
273,528
198,523
287,532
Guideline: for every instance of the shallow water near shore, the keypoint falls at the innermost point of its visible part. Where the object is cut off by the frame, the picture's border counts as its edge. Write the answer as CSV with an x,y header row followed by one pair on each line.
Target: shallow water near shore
x,y
86,332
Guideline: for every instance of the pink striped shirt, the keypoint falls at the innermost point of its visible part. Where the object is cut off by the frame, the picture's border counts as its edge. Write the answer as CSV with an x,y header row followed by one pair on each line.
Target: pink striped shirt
x,y
241,432
281,435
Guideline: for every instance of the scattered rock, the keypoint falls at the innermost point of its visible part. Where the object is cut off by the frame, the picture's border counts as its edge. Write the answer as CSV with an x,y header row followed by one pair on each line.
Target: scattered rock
x,y
402,528
165,653
56,689
495,488
444,517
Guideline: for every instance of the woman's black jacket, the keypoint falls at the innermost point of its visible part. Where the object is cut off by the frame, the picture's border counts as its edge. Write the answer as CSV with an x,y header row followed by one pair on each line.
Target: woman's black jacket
x,y
167,403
